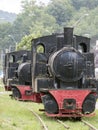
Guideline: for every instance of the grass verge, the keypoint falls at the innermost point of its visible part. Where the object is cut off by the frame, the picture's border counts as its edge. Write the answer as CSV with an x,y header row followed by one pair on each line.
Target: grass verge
x,y
14,115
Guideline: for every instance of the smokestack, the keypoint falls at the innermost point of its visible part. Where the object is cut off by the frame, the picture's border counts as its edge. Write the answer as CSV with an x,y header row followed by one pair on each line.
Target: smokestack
x,y
68,36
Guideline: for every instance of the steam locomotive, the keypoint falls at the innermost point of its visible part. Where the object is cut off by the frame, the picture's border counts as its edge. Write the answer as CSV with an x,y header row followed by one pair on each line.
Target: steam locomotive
x,y
61,75
12,61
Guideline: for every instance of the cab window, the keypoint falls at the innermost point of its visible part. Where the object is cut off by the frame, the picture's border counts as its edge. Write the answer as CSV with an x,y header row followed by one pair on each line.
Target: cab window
x,y
40,49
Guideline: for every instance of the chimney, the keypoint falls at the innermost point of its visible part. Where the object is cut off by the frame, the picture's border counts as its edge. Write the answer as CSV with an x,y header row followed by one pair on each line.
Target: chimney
x,y
68,36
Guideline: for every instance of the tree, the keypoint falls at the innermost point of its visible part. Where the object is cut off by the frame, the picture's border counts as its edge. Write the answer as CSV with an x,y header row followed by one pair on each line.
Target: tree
x,y
34,22
26,42
42,20
5,40
90,4
34,19
88,25
61,10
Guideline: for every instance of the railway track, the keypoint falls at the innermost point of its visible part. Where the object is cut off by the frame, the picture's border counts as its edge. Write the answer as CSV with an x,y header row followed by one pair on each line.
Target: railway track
x,y
40,119
45,127
43,123
66,126
91,127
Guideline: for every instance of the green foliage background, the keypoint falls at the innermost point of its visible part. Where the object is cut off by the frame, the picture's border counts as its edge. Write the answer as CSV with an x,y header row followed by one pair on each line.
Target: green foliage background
x,y
39,19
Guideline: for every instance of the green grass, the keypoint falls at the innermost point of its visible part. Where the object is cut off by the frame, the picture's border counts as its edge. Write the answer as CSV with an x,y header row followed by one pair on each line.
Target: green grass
x,y
14,115
1,85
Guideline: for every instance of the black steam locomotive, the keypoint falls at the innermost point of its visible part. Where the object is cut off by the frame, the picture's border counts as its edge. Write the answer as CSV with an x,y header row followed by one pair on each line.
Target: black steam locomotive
x,y
11,68
62,75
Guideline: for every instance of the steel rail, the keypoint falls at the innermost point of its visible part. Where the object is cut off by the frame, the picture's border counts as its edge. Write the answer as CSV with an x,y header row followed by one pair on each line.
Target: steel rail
x,y
67,127
88,124
40,119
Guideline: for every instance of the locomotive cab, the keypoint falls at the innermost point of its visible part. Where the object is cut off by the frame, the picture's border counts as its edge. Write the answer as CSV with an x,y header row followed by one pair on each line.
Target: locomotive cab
x,y
41,51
